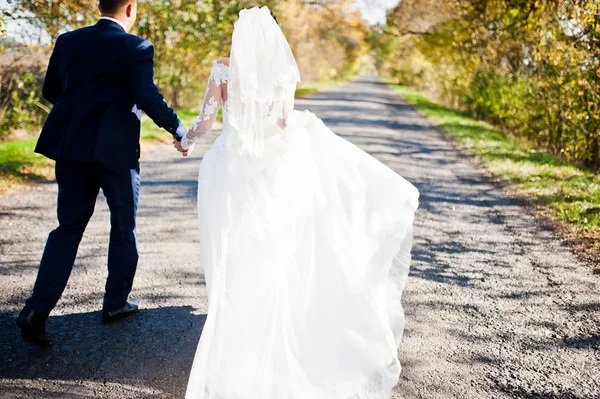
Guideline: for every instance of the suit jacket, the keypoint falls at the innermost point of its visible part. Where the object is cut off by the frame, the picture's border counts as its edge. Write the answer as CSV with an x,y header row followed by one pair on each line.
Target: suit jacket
x,y
98,79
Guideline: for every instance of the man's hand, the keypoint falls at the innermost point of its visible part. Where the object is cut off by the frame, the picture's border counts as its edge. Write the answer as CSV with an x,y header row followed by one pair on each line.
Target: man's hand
x,y
179,148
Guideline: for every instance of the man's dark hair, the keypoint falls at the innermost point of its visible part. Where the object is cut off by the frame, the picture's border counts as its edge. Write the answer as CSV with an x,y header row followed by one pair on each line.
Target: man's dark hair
x,y
112,6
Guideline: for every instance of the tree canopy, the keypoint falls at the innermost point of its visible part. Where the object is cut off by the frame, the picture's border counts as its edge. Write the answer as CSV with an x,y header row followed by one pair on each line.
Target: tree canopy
x,y
530,65
189,35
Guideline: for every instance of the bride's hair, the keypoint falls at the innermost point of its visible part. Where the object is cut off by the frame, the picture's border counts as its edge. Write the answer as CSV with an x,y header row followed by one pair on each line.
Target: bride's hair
x,y
274,17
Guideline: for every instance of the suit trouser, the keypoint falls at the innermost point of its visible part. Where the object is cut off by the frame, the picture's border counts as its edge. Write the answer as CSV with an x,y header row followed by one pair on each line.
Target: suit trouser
x,y
78,187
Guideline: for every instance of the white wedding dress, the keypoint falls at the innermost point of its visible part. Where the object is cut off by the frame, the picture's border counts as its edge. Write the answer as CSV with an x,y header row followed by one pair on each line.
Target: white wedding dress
x,y
306,250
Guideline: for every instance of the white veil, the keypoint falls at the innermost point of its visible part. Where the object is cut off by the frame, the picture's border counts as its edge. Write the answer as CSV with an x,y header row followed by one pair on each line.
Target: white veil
x,y
262,78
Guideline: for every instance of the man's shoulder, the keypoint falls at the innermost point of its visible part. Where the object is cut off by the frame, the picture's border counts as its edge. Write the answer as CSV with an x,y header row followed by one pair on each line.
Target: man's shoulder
x,y
138,40
75,34
128,38
131,37
132,41
140,45
86,31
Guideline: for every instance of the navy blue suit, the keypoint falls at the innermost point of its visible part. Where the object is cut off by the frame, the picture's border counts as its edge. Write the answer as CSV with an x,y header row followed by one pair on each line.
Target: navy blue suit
x,y
97,78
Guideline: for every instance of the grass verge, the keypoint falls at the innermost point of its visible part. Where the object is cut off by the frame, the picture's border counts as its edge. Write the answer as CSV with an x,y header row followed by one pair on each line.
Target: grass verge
x,y
564,193
19,164
154,134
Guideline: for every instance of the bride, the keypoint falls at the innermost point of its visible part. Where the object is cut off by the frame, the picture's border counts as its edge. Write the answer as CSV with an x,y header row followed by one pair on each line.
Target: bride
x,y
305,240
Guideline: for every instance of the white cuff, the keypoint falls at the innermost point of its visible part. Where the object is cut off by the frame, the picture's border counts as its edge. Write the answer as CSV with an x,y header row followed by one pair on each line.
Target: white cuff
x,y
184,142
181,130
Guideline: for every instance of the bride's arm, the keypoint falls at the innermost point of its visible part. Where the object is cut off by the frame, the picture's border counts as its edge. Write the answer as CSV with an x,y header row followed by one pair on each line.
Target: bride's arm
x,y
208,112
282,122
287,107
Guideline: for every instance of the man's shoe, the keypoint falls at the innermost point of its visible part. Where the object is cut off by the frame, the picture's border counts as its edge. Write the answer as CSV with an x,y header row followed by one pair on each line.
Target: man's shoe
x,y
130,307
33,327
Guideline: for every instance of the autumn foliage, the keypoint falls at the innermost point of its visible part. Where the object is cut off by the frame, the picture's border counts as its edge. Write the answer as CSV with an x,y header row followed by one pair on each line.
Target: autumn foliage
x,y
531,66
189,35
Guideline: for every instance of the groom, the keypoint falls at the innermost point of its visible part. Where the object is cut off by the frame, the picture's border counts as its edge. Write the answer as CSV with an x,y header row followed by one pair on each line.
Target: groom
x,y
99,79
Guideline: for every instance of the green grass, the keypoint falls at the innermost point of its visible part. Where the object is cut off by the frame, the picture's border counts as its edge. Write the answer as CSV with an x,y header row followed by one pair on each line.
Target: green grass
x,y
19,163
564,192
152,133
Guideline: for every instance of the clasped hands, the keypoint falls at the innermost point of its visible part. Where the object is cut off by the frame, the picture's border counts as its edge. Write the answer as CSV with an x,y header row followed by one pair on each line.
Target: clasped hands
x,y
179,148
182,132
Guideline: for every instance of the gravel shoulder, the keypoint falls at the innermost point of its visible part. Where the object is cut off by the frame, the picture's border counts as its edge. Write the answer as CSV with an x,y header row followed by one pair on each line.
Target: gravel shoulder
x,y
497,305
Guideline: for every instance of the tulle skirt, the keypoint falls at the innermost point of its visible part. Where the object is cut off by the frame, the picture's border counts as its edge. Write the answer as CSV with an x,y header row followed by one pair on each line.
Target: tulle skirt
x,y
306,252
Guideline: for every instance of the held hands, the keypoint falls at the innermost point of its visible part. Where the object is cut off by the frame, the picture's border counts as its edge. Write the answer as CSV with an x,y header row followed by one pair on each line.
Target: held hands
x,y
179,148
182,132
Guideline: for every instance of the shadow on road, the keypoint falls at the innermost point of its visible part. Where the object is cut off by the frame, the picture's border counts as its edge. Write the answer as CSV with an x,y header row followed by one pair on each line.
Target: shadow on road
x,y
144,355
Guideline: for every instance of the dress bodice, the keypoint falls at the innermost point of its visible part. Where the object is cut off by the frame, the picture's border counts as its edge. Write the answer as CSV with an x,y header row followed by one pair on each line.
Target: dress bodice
x,y
215,96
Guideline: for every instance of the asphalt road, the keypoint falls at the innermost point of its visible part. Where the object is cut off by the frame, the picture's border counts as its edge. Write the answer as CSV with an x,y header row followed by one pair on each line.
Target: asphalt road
x,y
497,305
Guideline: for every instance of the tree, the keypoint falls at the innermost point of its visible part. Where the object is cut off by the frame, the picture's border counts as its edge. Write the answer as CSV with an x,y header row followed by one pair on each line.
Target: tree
x,y
55,17
327,37
529,65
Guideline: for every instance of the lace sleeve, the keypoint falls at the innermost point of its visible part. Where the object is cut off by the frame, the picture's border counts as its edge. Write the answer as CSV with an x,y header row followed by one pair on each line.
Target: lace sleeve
x,y
210,107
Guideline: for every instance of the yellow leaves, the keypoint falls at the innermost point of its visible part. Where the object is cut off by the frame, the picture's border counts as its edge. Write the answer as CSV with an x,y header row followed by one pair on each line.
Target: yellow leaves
x,y
479,63
327,41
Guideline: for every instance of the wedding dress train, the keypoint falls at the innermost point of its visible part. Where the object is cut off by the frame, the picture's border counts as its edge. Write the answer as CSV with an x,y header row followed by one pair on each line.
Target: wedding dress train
x,y
306,250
